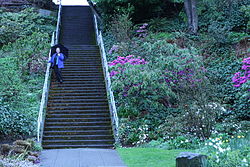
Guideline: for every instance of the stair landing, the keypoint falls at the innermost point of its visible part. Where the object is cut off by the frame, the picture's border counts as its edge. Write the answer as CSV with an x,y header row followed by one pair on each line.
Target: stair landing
x,y
81,158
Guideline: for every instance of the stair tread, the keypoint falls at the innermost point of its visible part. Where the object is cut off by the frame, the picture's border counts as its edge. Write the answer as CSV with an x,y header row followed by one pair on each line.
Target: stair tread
x,y
76,137
79,146
89,114
46,140
77,111
77,123
78,131
78,120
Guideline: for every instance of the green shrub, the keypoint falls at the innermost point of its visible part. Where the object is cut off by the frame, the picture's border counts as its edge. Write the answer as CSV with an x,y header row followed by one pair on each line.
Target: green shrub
x,y
22,65
165,25
133,133
16,123
20,84
173,105
47,4
180,142
224,150
170,78
141,9
221,71
121,27
22,24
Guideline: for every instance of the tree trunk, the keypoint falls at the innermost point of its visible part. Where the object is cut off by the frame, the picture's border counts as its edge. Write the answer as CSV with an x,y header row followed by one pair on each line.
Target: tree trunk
x,y
191,11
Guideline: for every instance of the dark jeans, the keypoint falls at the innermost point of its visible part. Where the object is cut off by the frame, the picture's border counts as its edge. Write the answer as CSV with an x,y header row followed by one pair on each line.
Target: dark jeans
x,y
58,73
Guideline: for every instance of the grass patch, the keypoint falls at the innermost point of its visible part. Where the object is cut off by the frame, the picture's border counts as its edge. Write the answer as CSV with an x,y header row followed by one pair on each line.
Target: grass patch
x,y
149,157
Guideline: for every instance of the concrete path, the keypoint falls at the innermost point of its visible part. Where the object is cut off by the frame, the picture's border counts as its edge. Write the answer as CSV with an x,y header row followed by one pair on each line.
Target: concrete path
x,y
81,158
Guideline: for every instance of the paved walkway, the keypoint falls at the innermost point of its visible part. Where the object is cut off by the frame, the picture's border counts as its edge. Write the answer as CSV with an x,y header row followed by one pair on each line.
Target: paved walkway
x,y
81,158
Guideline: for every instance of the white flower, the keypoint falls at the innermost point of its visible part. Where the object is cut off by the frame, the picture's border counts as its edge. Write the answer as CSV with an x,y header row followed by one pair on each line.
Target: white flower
x,y
221,149
217,159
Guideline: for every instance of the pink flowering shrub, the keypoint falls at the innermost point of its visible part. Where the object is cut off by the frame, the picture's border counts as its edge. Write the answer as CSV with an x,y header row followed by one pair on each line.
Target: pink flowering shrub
x,y
241,78
186,77
130,59
142,31
171,80
114,49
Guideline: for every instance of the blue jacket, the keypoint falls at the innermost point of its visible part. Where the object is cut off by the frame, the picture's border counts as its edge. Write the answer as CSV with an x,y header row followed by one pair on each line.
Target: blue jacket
x,y
60,60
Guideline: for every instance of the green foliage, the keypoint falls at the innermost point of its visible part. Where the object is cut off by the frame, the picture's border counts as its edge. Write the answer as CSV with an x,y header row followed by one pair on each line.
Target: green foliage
x,y
165,25
133,133
16,123
37,147
220,18
28,57
161,35
141,91
246,10
181,142
171,106
121,27
46,4
22,64
22,24
227,151
221,71
139,9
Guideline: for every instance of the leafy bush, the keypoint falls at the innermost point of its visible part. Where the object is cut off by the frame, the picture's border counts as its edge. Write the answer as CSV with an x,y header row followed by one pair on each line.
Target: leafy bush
x,y
227,151
46,4
28,57
221,72
165,25
133,133
180,142
184,85
140,9
228,15
164,77
21,84
121,27
22,24
22,65
16,123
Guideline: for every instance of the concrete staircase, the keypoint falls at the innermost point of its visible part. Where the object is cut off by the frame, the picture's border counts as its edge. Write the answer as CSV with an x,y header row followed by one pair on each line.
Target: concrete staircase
x,y
78,112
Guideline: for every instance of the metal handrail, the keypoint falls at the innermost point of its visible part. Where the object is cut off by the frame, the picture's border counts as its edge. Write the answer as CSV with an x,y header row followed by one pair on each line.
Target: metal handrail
x,y
44,99
93,8
58,22
112,106
43,104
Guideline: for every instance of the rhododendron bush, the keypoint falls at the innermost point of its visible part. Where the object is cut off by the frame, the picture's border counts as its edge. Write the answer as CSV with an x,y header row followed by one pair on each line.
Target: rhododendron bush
x,y
169,77
241,79
155,82
137,85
